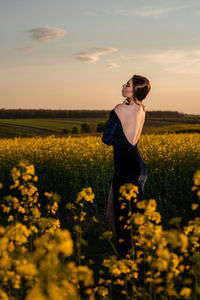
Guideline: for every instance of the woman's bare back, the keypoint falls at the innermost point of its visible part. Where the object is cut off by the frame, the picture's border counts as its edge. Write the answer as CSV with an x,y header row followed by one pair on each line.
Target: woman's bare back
x,y
132,118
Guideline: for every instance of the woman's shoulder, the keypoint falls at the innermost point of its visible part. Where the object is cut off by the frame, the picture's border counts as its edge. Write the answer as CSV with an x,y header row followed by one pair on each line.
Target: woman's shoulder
x,y
124,110
119,107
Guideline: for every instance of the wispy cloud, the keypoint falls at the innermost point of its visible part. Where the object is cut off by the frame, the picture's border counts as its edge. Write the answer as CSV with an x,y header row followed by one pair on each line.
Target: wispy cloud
x,y
176,61
197,12
113,65
146,11
168,57
41,35
92,55
91,13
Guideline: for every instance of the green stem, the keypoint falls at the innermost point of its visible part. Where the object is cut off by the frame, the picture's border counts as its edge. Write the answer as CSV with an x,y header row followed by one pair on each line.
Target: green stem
x,y
79,236
144,269
151,283
110,289
126,289
111,243
132,246
150,290
195,288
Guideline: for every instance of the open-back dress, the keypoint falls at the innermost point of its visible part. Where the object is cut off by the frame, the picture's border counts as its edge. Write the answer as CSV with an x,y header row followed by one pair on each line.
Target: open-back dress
x,y
129,167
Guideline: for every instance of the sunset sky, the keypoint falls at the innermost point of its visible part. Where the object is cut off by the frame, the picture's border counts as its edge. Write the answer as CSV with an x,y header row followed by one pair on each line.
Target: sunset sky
x,y
77,54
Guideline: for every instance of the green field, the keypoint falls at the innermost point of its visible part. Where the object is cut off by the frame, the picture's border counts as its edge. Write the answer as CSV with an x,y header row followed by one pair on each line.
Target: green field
x,y
43,127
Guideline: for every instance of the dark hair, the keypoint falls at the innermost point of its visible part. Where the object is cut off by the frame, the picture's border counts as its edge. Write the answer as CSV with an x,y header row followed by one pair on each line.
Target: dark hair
x,y
141,88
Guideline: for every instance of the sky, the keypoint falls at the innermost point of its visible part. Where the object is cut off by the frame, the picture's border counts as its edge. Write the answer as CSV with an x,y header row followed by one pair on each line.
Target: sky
x,y
68,54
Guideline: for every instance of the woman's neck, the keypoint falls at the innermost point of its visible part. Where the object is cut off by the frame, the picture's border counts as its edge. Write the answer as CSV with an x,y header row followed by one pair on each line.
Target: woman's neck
x,y
131,101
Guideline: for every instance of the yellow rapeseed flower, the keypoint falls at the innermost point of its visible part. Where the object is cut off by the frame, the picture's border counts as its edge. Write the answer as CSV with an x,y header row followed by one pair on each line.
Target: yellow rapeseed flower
x,y
35,293
195,206
185,292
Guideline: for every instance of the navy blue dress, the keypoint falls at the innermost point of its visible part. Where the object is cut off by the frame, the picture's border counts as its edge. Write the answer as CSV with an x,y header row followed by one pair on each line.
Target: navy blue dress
x,y
129,167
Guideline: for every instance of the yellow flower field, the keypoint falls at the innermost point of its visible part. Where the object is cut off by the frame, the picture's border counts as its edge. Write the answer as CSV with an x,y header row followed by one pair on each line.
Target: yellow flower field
x,y
39,260
67,164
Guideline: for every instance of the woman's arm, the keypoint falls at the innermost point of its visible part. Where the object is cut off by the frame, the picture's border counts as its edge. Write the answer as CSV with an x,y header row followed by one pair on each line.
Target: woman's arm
x,y
109,132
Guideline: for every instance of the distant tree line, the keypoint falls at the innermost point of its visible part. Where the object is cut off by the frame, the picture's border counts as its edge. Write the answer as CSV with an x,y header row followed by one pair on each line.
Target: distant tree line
x,y
68,113
85,127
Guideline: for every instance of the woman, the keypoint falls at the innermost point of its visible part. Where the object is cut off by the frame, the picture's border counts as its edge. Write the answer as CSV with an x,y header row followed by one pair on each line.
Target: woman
x,y
123,130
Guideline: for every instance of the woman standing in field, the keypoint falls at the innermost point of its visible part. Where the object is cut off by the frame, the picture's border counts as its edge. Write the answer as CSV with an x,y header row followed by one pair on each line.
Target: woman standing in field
x,y
123,130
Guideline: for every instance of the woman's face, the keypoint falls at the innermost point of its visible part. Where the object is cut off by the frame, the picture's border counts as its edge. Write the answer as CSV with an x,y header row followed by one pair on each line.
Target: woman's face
x,y
127,89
